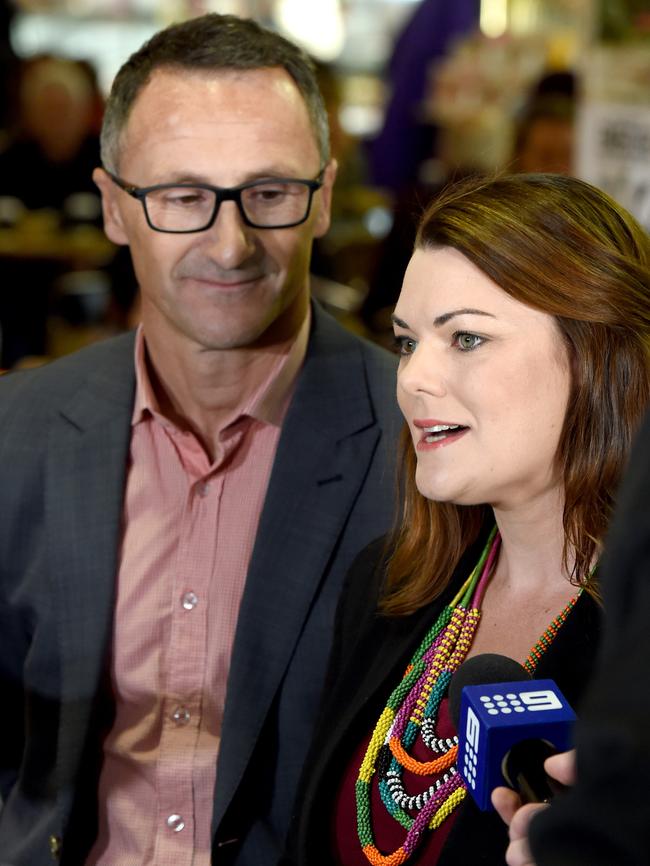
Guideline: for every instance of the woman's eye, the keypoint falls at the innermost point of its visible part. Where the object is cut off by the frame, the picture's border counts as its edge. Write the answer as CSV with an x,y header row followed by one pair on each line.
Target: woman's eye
x,y
404,345
466,342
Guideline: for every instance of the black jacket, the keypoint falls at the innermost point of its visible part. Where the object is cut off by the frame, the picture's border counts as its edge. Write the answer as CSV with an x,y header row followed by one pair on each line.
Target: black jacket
x,y
605,819
369,657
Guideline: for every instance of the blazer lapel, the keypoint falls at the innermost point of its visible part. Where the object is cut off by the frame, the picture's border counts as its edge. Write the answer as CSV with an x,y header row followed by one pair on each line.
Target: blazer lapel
x,y
85,472
328,439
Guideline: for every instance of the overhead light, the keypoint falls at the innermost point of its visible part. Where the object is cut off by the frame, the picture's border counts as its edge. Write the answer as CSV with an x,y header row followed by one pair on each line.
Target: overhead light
x,y
494,17
318,27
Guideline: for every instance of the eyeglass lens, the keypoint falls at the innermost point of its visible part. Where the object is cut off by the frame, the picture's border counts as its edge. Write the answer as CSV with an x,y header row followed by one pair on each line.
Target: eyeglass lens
x,y
265,204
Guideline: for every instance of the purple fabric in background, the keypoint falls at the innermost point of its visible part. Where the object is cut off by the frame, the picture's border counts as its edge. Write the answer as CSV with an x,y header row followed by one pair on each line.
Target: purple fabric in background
x,y
395,154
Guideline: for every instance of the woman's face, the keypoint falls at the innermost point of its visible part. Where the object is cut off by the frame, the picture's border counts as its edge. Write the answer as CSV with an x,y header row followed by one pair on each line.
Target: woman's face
x,y
483,383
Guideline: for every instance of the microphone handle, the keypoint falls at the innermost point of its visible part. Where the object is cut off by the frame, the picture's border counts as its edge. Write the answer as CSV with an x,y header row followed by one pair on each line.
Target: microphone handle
x,y
523,770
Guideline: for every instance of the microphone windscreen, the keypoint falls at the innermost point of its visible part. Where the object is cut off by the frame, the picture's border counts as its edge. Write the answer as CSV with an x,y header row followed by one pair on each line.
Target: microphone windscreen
x,y
481,669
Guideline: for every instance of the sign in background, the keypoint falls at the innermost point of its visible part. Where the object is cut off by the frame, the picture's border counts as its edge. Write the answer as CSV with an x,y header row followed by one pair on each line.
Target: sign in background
x,y
613,140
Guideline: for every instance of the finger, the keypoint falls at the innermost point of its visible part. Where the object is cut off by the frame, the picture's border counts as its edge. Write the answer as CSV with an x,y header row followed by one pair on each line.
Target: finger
x,y
506,802
518,854
562,767
522,818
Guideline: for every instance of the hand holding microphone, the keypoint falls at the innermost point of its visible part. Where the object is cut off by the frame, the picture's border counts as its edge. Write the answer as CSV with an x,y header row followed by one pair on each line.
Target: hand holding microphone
x,y
507,726
518,817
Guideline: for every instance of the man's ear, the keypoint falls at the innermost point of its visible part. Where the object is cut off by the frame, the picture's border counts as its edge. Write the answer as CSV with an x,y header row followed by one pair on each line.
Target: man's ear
x,y
113,221
322,223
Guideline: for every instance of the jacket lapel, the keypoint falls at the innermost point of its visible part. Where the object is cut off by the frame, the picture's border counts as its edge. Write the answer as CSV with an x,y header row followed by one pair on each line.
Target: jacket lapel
x,y
85,472
328,439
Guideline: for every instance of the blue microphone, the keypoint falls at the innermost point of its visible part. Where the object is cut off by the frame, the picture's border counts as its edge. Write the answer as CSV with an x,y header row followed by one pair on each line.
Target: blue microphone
x,y
508,724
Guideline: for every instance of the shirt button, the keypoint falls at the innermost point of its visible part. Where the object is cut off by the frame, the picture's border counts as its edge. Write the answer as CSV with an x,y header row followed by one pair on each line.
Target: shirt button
x,y
190,600
181,716
55,846
204,489
176,823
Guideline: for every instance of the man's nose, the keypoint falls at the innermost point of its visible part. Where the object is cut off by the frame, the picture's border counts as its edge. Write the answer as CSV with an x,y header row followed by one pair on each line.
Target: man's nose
x,y
229,242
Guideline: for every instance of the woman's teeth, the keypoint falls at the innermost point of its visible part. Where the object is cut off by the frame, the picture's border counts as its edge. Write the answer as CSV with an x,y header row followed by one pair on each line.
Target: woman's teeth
x,y
439,432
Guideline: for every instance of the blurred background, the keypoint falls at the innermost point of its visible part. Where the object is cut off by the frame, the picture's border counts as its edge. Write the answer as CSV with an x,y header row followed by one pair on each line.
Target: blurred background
x,y
419,92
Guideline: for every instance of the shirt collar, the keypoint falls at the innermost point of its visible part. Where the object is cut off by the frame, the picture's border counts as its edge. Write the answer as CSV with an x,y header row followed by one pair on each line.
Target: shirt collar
x,y
267,404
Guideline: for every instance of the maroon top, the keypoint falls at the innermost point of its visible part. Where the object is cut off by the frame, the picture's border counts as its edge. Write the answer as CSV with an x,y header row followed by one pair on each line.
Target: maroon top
x,y
388,833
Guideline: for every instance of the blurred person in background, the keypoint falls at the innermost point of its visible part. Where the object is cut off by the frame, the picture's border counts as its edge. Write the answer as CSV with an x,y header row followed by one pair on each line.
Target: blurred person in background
x,y
46,187
55,145
180,505
543,142
400,154
406,139
544,138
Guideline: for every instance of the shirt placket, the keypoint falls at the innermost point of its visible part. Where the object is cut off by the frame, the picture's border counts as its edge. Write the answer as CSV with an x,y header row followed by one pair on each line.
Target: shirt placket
x,y
184,667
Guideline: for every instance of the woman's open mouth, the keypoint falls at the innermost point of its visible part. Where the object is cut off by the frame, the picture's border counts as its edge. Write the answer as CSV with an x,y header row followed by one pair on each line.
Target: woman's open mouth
x,y
436,434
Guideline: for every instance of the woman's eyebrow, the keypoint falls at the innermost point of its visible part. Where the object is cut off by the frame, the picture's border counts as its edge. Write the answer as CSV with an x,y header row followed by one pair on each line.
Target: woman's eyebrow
x,y
445,317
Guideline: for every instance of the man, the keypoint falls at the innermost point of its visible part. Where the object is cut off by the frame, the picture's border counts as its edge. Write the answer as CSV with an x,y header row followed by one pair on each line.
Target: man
x,y
183,522
603,819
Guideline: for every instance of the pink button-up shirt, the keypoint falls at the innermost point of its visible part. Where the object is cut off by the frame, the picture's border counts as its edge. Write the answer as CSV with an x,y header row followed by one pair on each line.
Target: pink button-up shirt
x,y
189,529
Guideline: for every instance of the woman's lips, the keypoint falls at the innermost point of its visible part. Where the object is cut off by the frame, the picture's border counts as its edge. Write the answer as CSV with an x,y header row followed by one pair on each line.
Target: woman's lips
x,y
438,434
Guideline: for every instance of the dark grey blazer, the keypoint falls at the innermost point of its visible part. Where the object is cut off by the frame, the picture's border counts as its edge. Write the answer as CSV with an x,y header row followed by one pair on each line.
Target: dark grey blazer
x,y
64,442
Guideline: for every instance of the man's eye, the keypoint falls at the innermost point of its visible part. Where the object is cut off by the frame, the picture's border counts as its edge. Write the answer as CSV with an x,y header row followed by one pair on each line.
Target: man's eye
x,y
404,345
466,341
268,194
185,197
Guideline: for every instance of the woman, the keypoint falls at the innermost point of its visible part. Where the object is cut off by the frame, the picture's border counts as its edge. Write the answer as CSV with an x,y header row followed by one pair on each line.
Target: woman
x,y
523,329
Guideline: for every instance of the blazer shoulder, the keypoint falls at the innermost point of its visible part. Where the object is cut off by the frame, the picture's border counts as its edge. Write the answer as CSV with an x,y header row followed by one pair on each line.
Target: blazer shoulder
x,y
379,361
333,339
36,391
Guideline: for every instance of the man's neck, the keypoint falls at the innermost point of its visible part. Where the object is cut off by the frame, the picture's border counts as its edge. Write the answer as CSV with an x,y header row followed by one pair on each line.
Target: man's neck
x,y
201,390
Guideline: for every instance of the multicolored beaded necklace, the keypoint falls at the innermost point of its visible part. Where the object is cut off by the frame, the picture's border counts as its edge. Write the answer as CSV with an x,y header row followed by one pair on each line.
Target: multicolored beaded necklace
x,y
412,709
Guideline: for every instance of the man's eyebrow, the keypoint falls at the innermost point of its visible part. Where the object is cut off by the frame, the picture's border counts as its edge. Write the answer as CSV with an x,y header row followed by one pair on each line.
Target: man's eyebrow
x,y
466,311
182,177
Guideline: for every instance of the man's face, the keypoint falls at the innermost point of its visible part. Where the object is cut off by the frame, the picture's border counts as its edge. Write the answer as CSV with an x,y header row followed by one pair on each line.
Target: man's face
x,y
231,285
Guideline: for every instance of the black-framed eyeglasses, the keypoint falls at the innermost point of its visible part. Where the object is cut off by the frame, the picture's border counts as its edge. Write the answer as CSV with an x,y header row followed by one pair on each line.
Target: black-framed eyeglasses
x,y
181,208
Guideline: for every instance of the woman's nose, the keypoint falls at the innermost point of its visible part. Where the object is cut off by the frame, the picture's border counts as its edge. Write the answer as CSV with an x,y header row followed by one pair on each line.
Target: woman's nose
x,y
421,373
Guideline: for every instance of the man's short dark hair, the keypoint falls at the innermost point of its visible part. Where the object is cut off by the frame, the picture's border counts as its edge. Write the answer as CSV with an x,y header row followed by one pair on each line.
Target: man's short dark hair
x,y
210,43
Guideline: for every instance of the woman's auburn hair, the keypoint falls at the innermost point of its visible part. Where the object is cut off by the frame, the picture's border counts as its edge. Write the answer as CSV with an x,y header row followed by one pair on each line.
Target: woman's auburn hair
x,y
559,245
